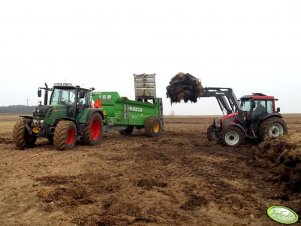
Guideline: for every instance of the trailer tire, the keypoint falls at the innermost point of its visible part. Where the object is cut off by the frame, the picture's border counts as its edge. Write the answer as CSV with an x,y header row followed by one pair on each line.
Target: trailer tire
x,y
92,132
153,127
127,131
211,134
65,135
21,136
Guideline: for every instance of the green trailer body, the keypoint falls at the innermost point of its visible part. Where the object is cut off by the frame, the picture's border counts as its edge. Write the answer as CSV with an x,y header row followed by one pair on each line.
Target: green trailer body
x,y
122,112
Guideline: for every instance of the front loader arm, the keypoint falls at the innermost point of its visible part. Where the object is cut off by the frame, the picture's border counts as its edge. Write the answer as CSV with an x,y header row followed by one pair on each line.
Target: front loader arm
x,y
225,98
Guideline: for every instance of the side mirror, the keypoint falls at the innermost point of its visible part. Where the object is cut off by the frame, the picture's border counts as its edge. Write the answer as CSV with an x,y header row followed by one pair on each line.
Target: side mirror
x,y
253,105
39,92
278,109
81,94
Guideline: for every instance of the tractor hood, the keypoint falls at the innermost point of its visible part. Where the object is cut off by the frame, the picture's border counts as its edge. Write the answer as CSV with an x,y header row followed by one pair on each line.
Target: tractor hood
x,y
228,119
41,111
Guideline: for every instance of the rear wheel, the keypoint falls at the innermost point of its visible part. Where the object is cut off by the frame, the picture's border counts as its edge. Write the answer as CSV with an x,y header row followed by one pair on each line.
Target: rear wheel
x,y
232,136
65,135
211,134
153,127
21,136
127,131
92,132
272,128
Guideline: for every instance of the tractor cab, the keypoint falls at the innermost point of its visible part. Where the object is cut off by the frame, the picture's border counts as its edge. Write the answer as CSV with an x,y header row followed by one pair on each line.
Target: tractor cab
x,y
257,106
65,98
73,98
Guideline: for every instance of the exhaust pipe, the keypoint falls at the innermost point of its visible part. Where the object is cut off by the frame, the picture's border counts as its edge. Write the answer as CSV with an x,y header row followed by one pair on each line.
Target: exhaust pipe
x,y
46,94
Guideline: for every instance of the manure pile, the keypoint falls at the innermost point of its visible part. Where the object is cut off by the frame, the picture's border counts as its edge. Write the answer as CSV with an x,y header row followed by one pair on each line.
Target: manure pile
x,y
284,160
184,87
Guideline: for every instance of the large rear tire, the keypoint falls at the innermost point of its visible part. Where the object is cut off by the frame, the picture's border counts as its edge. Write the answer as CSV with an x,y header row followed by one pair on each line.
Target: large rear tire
x,y
211,134
232,136
65,135
22,138
272,128
92,132
153,127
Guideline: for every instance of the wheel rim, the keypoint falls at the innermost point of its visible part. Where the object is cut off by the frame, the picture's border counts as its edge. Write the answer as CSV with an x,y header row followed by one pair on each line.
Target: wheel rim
x,y
95,129
70,136
156,127
232,138
276,130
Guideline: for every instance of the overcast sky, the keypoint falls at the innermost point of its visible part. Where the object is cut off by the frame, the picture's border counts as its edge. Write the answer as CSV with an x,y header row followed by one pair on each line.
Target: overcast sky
x,y
250,46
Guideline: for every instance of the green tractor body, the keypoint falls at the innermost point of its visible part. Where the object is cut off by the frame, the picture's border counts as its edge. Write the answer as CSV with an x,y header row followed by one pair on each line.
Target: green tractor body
x,y
67,118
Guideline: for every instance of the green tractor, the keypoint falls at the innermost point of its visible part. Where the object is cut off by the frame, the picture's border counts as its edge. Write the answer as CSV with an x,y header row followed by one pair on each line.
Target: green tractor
x,y
68,117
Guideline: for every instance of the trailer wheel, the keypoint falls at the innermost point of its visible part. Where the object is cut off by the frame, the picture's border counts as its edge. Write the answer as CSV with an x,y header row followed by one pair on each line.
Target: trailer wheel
x,y
211,134
127,131
232,136
21,136
65,135
272,128
153,127
92,131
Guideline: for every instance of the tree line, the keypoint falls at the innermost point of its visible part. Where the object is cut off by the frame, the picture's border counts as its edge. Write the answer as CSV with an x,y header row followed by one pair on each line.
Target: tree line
x,y
17,109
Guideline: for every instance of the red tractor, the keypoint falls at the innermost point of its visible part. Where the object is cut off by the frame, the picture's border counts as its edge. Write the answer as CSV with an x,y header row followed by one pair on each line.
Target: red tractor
x,y
254,116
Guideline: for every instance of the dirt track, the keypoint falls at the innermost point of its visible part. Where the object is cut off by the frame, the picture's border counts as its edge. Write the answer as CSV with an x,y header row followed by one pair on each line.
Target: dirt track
x,y
177,179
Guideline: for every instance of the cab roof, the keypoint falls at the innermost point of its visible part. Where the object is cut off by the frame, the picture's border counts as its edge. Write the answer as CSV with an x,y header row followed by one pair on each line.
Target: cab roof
x,y
258,96
67,86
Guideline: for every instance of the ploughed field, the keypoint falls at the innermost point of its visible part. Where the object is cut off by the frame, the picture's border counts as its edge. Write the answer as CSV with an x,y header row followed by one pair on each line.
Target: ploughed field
x,y
178,178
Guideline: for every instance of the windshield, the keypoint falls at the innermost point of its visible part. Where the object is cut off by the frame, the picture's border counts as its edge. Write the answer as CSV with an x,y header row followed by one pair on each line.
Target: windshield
x,y
62,96
245,104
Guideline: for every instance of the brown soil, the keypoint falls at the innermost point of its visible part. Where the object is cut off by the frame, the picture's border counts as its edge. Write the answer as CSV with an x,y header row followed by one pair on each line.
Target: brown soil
x,y
178,178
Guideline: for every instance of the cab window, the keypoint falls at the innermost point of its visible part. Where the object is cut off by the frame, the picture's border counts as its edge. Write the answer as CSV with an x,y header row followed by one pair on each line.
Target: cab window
x,y
245,105
62,96
270,108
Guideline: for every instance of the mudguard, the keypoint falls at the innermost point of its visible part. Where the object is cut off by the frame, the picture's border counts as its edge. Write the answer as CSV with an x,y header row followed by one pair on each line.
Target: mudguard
x,y
261,118
87,113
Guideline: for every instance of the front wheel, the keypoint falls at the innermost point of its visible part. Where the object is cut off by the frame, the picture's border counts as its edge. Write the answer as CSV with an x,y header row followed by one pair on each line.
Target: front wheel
x,y
272,128
211,134
232,136
21,136
65,135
